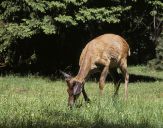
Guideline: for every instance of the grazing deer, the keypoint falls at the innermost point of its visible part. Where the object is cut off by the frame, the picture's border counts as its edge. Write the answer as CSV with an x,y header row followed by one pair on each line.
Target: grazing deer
x,y
109,51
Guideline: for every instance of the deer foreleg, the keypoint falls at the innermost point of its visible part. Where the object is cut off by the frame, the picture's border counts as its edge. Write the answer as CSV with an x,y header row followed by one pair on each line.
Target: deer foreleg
x,y
85,95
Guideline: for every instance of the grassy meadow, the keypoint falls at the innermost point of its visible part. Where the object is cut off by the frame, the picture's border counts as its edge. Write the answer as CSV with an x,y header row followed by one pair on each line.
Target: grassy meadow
x,y
37,102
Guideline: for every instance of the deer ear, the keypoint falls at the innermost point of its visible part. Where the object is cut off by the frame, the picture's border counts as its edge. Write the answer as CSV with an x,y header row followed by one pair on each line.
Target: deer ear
x,y
66,76
77,89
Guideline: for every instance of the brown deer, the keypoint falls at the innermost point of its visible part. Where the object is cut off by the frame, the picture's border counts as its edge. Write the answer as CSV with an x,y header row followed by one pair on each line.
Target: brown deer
x,y
109,51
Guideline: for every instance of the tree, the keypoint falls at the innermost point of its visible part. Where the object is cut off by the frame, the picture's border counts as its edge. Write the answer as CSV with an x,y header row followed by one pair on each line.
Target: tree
x,y
24,19
157,34
157,63
24,22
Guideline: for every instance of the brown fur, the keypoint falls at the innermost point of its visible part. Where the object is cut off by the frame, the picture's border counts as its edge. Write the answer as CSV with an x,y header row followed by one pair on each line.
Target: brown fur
x,y
101,49
108,50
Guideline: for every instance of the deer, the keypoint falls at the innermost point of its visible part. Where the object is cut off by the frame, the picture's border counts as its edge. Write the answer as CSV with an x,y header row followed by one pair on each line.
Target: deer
x,y
109,51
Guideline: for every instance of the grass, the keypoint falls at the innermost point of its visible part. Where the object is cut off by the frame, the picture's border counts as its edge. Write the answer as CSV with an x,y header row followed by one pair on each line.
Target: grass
x,y
35,102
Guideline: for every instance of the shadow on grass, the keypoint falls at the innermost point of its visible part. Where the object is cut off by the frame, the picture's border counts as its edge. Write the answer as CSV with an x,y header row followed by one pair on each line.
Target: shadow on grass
x,y
122,124
138,78
133,78
98,124
58,119
142,78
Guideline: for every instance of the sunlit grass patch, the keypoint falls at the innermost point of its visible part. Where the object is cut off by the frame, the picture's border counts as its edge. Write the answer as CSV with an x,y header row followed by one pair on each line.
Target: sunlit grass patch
x,y
33,101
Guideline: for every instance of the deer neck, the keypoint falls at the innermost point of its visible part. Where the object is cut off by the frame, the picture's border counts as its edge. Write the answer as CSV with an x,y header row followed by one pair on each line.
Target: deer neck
x,y
85,67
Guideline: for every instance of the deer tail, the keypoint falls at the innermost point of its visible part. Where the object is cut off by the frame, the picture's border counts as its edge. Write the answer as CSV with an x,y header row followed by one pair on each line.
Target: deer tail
x,y
129,52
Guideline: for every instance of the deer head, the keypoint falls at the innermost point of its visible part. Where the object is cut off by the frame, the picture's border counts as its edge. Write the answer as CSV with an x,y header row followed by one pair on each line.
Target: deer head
x,y
74,88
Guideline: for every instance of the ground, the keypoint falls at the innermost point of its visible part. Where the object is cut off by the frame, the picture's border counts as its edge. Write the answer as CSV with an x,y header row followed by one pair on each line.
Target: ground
x,y
38,102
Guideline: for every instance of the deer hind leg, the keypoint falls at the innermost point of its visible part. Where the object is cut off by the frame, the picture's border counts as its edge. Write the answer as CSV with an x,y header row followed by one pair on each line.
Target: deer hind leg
x,y
116,79
123,68
103,76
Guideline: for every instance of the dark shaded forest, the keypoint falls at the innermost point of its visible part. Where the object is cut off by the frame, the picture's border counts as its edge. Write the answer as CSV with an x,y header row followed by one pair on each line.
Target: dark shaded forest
x,y
45,36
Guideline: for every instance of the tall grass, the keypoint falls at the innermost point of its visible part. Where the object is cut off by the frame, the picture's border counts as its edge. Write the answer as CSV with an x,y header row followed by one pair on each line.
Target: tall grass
x,y
35,102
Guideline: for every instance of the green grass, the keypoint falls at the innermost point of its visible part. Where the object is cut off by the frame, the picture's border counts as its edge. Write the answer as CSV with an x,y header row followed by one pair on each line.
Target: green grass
x,y
35,102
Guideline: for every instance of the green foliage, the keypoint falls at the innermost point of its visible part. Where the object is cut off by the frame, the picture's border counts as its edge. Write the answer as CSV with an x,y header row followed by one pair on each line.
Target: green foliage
x,y
157,14
156,3
157,8
100,14
65,20
25,19
157,63
29,17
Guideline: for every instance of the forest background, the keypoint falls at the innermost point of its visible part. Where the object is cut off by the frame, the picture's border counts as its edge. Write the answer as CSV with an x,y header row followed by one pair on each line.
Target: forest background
x,y
42,36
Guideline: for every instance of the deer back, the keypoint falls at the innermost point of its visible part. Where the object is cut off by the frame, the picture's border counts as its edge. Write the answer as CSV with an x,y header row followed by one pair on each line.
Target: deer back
x,y
104,47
